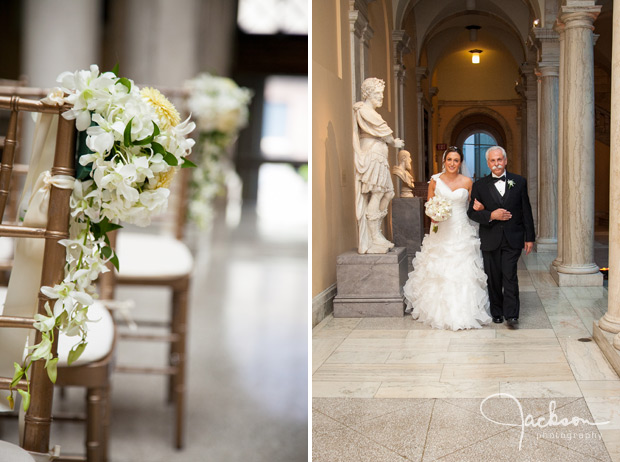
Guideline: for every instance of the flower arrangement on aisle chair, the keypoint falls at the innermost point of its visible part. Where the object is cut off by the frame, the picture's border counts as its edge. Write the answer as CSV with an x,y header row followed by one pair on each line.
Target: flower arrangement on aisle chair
x,y
131,142
220,108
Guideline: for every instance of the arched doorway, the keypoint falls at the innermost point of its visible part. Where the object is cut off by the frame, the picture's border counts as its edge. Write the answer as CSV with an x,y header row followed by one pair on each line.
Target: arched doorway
x,y
474,131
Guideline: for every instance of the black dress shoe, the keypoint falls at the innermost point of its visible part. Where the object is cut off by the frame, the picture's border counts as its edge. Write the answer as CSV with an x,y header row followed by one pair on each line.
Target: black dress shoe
x,y
512,322
498,319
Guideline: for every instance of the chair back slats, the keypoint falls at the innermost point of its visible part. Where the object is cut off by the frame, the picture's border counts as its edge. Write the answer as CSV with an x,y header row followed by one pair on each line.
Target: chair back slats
x,y
38,418
8,157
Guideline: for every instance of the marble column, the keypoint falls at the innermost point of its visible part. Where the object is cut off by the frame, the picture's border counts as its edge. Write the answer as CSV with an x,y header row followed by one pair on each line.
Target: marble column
x,y
530,95
611,320
400,41
151,53
578,267
419,173
559,28
360,34
51,46
548,69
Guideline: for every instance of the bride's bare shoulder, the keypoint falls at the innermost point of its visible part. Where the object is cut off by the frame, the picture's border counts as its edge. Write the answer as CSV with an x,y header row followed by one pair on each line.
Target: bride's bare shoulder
x,y
466,181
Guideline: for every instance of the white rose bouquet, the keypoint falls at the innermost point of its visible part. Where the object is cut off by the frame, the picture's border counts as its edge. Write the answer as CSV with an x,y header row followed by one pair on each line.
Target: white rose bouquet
x,y
438,209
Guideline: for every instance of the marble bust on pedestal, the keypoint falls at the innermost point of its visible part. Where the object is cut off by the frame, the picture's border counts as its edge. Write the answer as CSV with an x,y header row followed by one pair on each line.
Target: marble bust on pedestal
x,y
402,171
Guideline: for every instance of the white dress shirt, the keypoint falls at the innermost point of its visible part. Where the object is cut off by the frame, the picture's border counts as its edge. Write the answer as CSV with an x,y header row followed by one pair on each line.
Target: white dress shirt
x,y
500,185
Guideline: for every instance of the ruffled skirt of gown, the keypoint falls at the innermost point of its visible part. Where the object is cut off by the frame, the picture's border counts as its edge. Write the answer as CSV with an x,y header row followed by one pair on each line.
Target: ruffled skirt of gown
x,y
447,288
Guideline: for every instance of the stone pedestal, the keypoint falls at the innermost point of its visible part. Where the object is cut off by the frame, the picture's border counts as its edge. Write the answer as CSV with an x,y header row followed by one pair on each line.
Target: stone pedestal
x,y
408,224
370,285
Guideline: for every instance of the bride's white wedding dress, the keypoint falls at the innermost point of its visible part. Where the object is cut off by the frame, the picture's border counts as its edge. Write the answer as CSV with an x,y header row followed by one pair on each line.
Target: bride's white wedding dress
x,y
447,288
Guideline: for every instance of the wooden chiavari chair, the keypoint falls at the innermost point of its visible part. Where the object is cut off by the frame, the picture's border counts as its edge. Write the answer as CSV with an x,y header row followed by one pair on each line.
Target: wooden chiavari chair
x,y
93,369
36,434
171,266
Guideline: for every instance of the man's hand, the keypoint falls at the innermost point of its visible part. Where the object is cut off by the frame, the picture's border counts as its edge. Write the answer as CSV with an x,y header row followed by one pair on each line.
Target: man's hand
x,y
528,247
501,215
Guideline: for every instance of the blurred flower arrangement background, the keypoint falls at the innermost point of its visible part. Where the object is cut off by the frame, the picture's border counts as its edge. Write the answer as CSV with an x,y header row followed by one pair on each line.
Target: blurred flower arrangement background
x,y
221,109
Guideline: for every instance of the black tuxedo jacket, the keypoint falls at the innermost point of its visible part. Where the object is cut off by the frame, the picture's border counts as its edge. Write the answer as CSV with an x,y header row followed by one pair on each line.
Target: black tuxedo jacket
x,y
519,229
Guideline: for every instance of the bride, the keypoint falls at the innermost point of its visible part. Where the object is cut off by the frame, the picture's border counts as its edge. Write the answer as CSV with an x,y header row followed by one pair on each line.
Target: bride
x,y
447,288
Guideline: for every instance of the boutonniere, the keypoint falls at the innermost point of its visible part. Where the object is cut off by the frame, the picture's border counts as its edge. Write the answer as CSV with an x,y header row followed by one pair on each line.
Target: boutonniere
x,y
511,183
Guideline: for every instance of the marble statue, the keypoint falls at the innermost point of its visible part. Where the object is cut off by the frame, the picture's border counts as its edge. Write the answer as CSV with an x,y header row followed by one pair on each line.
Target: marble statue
x,y
402,171
373,182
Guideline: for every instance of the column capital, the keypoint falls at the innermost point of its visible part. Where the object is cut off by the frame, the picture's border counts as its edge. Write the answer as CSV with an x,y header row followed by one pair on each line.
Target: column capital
x,y
579,14
360,26
547,42
421,73
360,5
546,69
401,41
527,69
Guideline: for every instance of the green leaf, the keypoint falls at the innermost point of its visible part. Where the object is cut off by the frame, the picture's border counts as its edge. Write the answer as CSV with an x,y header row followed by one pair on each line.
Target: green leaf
x,y
126,82
52,369
115,262
82,171
103,227
11,401
127,134
148,139
25,399
76,352
106,252
17,376
115,70
170,159
188,163
158,148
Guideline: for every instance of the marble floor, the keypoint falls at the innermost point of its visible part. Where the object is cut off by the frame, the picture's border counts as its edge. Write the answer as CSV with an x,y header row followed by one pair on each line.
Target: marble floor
x,y
391,389
248,352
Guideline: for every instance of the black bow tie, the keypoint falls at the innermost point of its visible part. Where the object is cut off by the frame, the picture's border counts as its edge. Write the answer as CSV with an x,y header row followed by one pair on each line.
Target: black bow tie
x,y
501,178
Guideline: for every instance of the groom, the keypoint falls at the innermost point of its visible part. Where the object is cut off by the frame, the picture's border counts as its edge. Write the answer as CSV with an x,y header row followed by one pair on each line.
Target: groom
x,y
506,227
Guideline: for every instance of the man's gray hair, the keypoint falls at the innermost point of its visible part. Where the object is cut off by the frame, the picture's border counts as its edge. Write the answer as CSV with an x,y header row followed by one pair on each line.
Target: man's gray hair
x,y
495,148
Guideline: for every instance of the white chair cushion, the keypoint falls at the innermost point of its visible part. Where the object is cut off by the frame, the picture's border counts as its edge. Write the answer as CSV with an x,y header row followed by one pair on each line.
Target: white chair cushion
x,y
149,255
100,338
12,453
7,247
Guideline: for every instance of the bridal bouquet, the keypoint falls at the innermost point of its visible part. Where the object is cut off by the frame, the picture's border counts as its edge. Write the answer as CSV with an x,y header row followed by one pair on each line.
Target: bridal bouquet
x,y
131,142
438,209
220,108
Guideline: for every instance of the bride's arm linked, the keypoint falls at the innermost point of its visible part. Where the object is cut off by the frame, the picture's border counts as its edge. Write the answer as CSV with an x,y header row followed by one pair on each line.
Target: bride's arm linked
x,y
431,192
479,215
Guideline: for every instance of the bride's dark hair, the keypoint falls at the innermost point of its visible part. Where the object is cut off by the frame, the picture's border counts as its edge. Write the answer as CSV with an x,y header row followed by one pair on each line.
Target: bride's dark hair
x,y
452,149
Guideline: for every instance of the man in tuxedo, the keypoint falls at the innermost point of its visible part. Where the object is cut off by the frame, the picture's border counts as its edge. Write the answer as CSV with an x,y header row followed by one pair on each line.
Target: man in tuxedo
x,y
506,227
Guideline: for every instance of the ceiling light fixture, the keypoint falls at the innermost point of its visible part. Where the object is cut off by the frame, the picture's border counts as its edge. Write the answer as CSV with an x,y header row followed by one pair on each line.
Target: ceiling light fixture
x,y
473,32
475,56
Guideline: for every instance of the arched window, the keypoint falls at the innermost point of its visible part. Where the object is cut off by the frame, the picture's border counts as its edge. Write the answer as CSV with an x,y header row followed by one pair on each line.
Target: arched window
x,y
474,148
